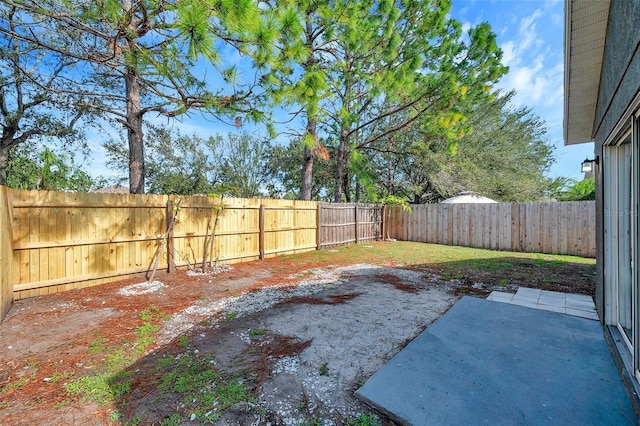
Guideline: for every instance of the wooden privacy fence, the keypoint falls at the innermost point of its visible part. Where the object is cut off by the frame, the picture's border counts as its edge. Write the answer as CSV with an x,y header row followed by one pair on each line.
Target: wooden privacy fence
x,y
63,241
558,228
6,252
54,241
348,223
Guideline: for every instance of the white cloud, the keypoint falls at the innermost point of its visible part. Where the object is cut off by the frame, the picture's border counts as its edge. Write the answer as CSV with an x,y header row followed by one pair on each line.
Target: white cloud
x,y
534,72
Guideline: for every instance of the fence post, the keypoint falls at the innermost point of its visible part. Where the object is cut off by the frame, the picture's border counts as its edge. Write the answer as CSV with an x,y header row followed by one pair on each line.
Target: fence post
x,y
383,223
355,211
261,229
171,264
318,226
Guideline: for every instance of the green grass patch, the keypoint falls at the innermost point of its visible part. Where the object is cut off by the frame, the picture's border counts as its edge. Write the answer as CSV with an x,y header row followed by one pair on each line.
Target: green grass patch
x,y
61,376
231,316
257,332
97,345
364,420
22,381
113,379
202,386
102,388
411,253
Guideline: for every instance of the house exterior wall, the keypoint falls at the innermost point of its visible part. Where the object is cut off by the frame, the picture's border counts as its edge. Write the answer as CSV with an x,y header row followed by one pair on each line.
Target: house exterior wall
x,y
619,85
620,78
599,236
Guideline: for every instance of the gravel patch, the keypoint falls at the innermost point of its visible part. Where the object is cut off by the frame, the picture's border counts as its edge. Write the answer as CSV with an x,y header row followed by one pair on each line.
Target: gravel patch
x,y
142,288
350,337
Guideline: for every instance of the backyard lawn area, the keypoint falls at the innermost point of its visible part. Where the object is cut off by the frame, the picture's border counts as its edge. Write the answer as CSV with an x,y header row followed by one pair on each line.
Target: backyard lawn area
x,y
284,341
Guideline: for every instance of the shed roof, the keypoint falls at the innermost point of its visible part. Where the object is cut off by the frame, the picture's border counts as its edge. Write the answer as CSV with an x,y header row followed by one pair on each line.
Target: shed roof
x,y
468,199
584,39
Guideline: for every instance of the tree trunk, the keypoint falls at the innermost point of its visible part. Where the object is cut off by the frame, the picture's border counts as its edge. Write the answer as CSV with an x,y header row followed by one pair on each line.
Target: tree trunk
x,y
341,161
4,163
307,164
346,186
134,131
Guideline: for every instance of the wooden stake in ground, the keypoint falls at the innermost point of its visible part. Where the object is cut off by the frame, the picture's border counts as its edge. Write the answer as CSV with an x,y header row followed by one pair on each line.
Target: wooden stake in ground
x,y
173,219
209,242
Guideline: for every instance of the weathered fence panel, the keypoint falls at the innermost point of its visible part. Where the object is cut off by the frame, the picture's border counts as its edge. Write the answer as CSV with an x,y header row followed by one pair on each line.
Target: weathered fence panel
x,y
348,223
6,252
558,228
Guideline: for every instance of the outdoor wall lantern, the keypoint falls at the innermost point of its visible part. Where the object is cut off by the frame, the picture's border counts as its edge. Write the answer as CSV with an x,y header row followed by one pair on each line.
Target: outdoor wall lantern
x,y
587,165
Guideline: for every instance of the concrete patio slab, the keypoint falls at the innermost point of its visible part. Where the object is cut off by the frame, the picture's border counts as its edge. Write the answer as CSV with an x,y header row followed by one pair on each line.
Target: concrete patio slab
x,y
578,305
486,362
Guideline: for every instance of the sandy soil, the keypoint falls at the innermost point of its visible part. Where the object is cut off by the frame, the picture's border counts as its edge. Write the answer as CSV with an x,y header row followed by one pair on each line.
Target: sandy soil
x,y
323,331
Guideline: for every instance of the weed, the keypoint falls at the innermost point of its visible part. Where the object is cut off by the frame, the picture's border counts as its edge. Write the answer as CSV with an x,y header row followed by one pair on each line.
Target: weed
x,y
312,422
61,376
150,313
133,422
97,345
174,420
503,282
103,388
202,386
324,369
231,316
62,404
116,360
300,405
205,323
364,420
257,332
147,329
108,385
183,342
22,381
114,416
165,362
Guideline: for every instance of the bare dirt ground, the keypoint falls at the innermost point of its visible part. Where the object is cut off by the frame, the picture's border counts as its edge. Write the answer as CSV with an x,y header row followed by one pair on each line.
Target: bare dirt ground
x,y
288,341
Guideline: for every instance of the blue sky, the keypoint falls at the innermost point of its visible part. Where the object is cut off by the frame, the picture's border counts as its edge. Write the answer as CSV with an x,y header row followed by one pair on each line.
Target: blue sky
x,y
531,35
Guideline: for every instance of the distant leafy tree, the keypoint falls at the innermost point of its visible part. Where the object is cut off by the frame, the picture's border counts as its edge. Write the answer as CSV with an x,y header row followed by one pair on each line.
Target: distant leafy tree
x,y
241,161
502,152
47,171
189,164
31,79
285,179
578,190
177,164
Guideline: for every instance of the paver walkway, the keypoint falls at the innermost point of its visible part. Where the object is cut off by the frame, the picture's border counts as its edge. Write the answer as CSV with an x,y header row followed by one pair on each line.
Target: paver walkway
x,y
578,305
486,362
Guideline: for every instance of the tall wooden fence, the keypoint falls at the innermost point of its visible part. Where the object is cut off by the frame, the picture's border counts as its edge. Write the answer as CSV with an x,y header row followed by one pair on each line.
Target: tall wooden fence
x,y
63,241
6,252
559,228
348,223
54,241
